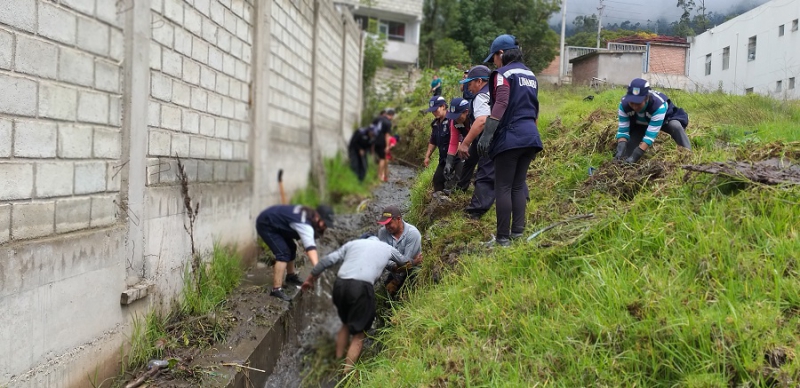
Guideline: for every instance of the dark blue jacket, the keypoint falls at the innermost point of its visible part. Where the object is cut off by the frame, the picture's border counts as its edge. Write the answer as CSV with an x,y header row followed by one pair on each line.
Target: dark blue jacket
x,y
673,112
440,137
517,128
279,217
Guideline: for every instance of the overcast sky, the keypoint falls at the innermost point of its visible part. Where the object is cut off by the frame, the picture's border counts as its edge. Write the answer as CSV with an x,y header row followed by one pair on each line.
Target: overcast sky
x,y
618,11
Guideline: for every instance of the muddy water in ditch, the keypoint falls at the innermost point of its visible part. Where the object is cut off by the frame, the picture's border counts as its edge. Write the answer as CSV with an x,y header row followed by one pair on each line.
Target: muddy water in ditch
x,y
321,332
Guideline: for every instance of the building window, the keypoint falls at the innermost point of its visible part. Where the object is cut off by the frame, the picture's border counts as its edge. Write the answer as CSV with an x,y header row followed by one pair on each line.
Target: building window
x,y
708,64
748,91
726,58
751,49
780,30
794,25
791,83
778,86
393,30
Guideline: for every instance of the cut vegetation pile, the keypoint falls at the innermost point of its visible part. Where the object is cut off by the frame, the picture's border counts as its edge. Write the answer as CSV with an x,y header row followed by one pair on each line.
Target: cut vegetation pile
x,y
676,278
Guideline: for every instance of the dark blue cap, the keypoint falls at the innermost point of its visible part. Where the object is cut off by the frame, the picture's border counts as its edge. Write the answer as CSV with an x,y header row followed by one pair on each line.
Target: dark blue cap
x,y
457,106
637,91
476,72
502,42
435,103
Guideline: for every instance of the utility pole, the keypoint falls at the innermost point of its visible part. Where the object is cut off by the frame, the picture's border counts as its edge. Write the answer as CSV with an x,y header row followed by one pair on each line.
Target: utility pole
x,y
600,21
563,33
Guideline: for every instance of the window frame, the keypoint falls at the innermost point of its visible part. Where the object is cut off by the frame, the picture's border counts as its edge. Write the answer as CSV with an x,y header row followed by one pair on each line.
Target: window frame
x,y
791,83
781,30
778,86
726,58
708,64
752,47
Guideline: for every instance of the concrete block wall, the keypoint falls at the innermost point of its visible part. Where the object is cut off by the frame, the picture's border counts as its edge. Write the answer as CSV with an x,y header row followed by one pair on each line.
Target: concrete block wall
x,y
329,82
60,116
351,100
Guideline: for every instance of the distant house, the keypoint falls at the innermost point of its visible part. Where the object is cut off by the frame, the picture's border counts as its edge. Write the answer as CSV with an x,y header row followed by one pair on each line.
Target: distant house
x,y
398,21
756,52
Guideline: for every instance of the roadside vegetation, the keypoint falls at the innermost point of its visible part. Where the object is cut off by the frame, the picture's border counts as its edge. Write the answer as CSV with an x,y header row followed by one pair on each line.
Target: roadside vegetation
x,y
343,190
649,275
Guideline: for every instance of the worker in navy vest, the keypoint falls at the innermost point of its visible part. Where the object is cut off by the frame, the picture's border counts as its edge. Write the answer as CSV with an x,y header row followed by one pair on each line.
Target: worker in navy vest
x,y
511,136
279,226
642,114
440,139
357,149
458,117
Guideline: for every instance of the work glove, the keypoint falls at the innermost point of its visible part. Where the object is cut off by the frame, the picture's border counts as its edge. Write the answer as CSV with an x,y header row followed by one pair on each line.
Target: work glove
x,y
449,167
485,143
621,146
635,156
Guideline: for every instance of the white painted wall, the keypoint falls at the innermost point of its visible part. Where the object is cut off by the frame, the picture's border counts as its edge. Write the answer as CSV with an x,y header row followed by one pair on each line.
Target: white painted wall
x,y
777,57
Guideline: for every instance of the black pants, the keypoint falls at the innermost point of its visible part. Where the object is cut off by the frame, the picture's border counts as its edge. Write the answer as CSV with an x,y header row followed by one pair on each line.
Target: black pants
x,y
483,196
511,169
468,170
673,128
439,181
358,163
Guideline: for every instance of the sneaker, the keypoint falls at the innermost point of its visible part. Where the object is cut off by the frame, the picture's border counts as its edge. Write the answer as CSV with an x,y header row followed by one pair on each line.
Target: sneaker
x,y
503,241
293,279
516,236
280,295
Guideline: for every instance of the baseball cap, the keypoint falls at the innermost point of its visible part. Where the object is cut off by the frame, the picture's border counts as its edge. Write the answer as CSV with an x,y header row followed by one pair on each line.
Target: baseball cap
x,y
326,213
637,91
436,102
457,106
387,214
502,42
479,71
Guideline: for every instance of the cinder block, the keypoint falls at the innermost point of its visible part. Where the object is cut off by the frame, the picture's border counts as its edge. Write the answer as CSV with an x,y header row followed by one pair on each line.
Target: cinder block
x,y
170,117
117,49
73,214
228,107
235,89
215,58
115,111
190,166
75,67
181,93
168,170
35,139
5,223
226,150
155,56
192,21
191,71
237,6
191,122
183,41
245,92
159,143
208,78
106,144
163,32
180,145
160,86
247,53
107,12
171,63
217,12
214,104
236,48
207,125
36,57
6,49
212,149
104,210
31,220
220,171
153,171
230,22
199,99
200,50
173,10
221,130
93,36
197,147
242,71
90,177
5,138
83,6
157,5
205,171
244,131
107,77
224,40
57,102
74,141
57,24
202,6
241,112
54,179
19,14
113,176
233,130
153,114
16,181
229,65
239,152
209,29
93,107
223,84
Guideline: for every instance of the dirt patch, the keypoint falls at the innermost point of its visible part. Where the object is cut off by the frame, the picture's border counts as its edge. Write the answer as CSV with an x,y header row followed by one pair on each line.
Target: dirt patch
x,y
624,180
769,172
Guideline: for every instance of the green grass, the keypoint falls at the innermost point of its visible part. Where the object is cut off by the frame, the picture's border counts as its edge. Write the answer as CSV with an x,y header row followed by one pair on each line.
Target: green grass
x,y
343,188
691,281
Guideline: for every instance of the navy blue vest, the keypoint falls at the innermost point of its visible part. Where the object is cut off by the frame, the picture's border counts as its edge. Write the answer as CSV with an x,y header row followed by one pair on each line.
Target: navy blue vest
x,y
517,128
440,137
279,217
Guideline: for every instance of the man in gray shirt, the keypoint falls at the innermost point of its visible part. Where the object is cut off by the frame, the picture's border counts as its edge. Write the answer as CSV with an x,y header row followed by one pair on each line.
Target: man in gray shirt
x,y
405,238
363,262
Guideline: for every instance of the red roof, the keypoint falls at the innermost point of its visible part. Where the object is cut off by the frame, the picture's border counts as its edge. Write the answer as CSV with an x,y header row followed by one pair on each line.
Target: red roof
x,y
655,39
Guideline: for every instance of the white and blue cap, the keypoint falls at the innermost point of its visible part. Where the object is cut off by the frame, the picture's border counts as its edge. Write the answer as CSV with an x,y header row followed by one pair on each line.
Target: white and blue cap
x,y
477,72
637,91
502,42
457,106
435,103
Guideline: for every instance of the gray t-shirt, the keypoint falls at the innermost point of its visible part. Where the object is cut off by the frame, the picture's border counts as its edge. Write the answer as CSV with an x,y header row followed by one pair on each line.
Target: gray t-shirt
x,y
409,243
362,259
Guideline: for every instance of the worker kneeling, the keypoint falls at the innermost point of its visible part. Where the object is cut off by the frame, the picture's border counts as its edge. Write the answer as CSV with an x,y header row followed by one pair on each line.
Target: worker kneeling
x,y
363,261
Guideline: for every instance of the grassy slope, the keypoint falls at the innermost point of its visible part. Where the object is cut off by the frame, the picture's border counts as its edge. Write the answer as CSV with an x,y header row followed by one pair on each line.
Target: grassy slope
x,y
688,283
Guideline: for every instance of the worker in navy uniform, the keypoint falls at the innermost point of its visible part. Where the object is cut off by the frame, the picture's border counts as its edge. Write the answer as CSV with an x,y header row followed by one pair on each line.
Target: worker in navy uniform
x,y
643,113
458,117
357,149
279,226
511,135
440,139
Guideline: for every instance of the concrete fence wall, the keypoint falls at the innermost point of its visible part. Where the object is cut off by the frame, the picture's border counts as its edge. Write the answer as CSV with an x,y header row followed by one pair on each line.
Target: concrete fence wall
x,y
99,99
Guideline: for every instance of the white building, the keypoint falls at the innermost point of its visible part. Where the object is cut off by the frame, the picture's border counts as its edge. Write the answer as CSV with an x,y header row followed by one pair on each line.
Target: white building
x,y
756,52
398,21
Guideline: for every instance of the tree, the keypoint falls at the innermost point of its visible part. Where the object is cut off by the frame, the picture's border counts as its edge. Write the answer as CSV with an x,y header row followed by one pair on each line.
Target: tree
x,y
683,27
585,23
